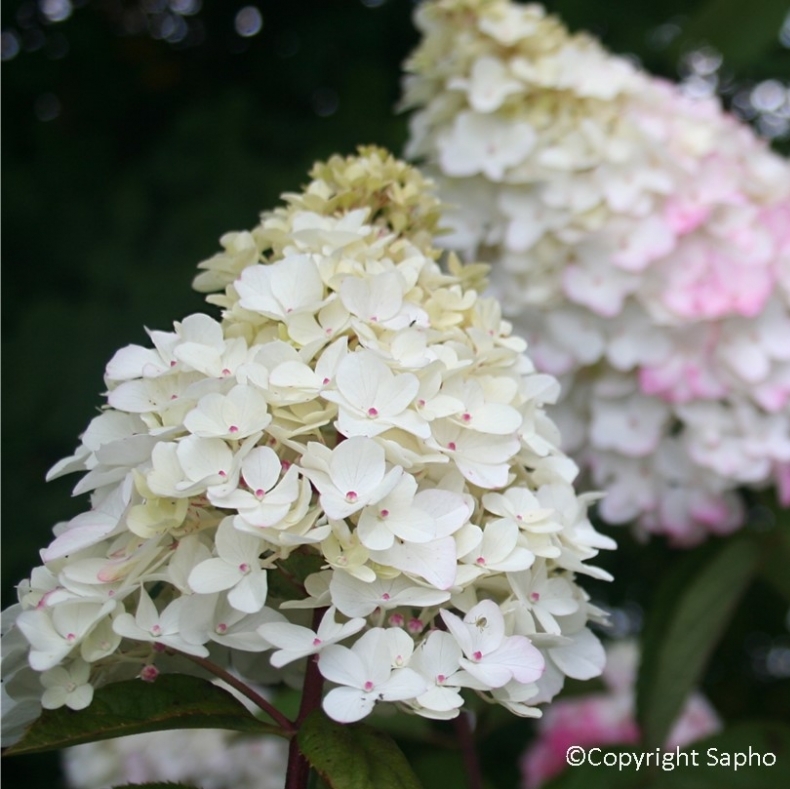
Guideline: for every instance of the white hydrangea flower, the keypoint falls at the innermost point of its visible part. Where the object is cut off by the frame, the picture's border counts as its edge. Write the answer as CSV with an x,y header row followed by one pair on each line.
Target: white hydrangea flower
x,y
640,240
365,676
360,433
67,686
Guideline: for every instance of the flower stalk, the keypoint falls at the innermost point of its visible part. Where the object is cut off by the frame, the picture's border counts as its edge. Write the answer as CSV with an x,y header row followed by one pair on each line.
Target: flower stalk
x,y
287,726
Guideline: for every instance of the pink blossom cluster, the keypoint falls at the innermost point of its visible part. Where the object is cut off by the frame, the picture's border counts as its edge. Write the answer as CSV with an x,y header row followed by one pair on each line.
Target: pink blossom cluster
x,y
606,718
641,241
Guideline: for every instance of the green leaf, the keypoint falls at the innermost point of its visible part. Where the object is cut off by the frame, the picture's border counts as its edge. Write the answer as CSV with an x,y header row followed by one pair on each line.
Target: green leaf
x,y
715,760
354,756
287,581
439,767
174,701
693,607
776,553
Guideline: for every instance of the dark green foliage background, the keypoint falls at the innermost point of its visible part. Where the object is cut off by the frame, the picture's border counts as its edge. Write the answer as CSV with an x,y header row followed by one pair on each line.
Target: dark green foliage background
x,y
159,150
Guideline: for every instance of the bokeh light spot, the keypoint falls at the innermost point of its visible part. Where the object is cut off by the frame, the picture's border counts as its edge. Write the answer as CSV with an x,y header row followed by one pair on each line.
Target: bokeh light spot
x,y
249,21
784,32
9,45
185,7
55,10
768,96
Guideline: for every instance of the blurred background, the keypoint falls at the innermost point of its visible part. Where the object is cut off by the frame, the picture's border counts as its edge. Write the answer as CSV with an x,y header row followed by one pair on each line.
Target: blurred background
x,y
136,132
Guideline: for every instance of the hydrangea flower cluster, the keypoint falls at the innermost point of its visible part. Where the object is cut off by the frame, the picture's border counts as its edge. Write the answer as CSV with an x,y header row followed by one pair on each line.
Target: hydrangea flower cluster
x,y
357,412
204,758
607,718
641,241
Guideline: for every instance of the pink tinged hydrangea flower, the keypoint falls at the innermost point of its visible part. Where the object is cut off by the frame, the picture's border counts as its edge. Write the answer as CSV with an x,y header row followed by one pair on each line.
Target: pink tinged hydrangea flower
x,y
437,660
232,416
160,395
482,413
366,677
237,568
664,215
134,361
482,458
212,618
350,476
329,322
592,721
373,399
684,214
354,597
698,719
490,656
54,634
67,686
740,442
522,506
499,550
782,474
486,144
685,373
195,465
267,499
540,542
600,719
395,515
430,554
279,290
295,642
155,628
709,280
542,597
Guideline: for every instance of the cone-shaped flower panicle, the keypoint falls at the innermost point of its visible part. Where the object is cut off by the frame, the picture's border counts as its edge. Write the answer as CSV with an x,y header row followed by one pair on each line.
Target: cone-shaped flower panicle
x,y
640,240
358,431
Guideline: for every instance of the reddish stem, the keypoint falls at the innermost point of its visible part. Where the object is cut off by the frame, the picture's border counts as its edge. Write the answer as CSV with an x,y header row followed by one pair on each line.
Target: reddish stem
x,y
298,767
466,739
286,725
